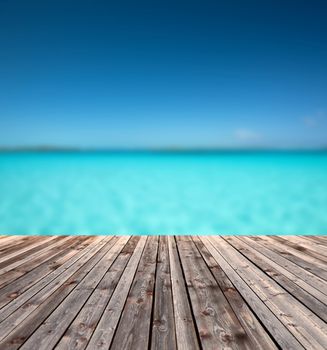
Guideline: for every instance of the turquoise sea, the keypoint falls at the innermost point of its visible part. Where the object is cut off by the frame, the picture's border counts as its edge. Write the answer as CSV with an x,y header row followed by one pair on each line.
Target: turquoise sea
x,y
163,193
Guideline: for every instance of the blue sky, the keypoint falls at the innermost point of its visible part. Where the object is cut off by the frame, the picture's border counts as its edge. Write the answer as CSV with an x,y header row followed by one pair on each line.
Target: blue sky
x,y
163,73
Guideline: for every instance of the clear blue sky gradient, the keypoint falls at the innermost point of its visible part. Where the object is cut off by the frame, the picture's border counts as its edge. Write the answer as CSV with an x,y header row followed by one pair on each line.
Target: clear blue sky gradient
x,y
163,73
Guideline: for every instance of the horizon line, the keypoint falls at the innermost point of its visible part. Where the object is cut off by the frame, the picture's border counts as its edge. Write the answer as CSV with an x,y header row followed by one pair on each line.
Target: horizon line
x,y
45,149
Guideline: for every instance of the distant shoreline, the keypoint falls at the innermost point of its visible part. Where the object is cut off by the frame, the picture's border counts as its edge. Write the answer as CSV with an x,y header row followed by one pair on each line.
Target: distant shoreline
x,y
160,150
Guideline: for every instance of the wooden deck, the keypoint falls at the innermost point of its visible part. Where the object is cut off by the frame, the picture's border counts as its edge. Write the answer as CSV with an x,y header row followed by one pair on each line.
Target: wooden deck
x,y
182,292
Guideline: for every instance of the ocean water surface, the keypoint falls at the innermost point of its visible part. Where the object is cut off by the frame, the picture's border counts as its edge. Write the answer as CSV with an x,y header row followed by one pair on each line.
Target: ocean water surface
x,y
163,193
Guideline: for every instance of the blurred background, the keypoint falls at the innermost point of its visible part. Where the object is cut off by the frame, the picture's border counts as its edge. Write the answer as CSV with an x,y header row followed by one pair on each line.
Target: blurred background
x,y
169,117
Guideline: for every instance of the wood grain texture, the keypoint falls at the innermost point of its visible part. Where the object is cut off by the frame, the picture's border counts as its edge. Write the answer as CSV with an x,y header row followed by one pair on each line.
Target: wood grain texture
x,y
163,292
216,321
163,327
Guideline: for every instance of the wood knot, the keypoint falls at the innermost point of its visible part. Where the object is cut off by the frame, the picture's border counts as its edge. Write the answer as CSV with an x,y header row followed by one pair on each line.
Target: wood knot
x,y
240,335
18,340
13,295
81,326
156,323
205,334
226,338
205,313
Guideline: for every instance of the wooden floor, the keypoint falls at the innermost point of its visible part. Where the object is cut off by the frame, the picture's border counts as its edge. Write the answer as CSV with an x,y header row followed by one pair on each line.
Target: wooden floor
x,y
177,292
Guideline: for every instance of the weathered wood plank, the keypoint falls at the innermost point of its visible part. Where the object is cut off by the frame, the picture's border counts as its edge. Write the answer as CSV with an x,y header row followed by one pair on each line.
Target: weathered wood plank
x,y
14,243
301,322
59,255
321,240
81,329
297,246
13,239
163,327
315,266
22,265
307,281
216,321
308,244
133,330
185,328
264,247
18,327
103,334
259,336
16,253
53,328
176,292
284,278
275,327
